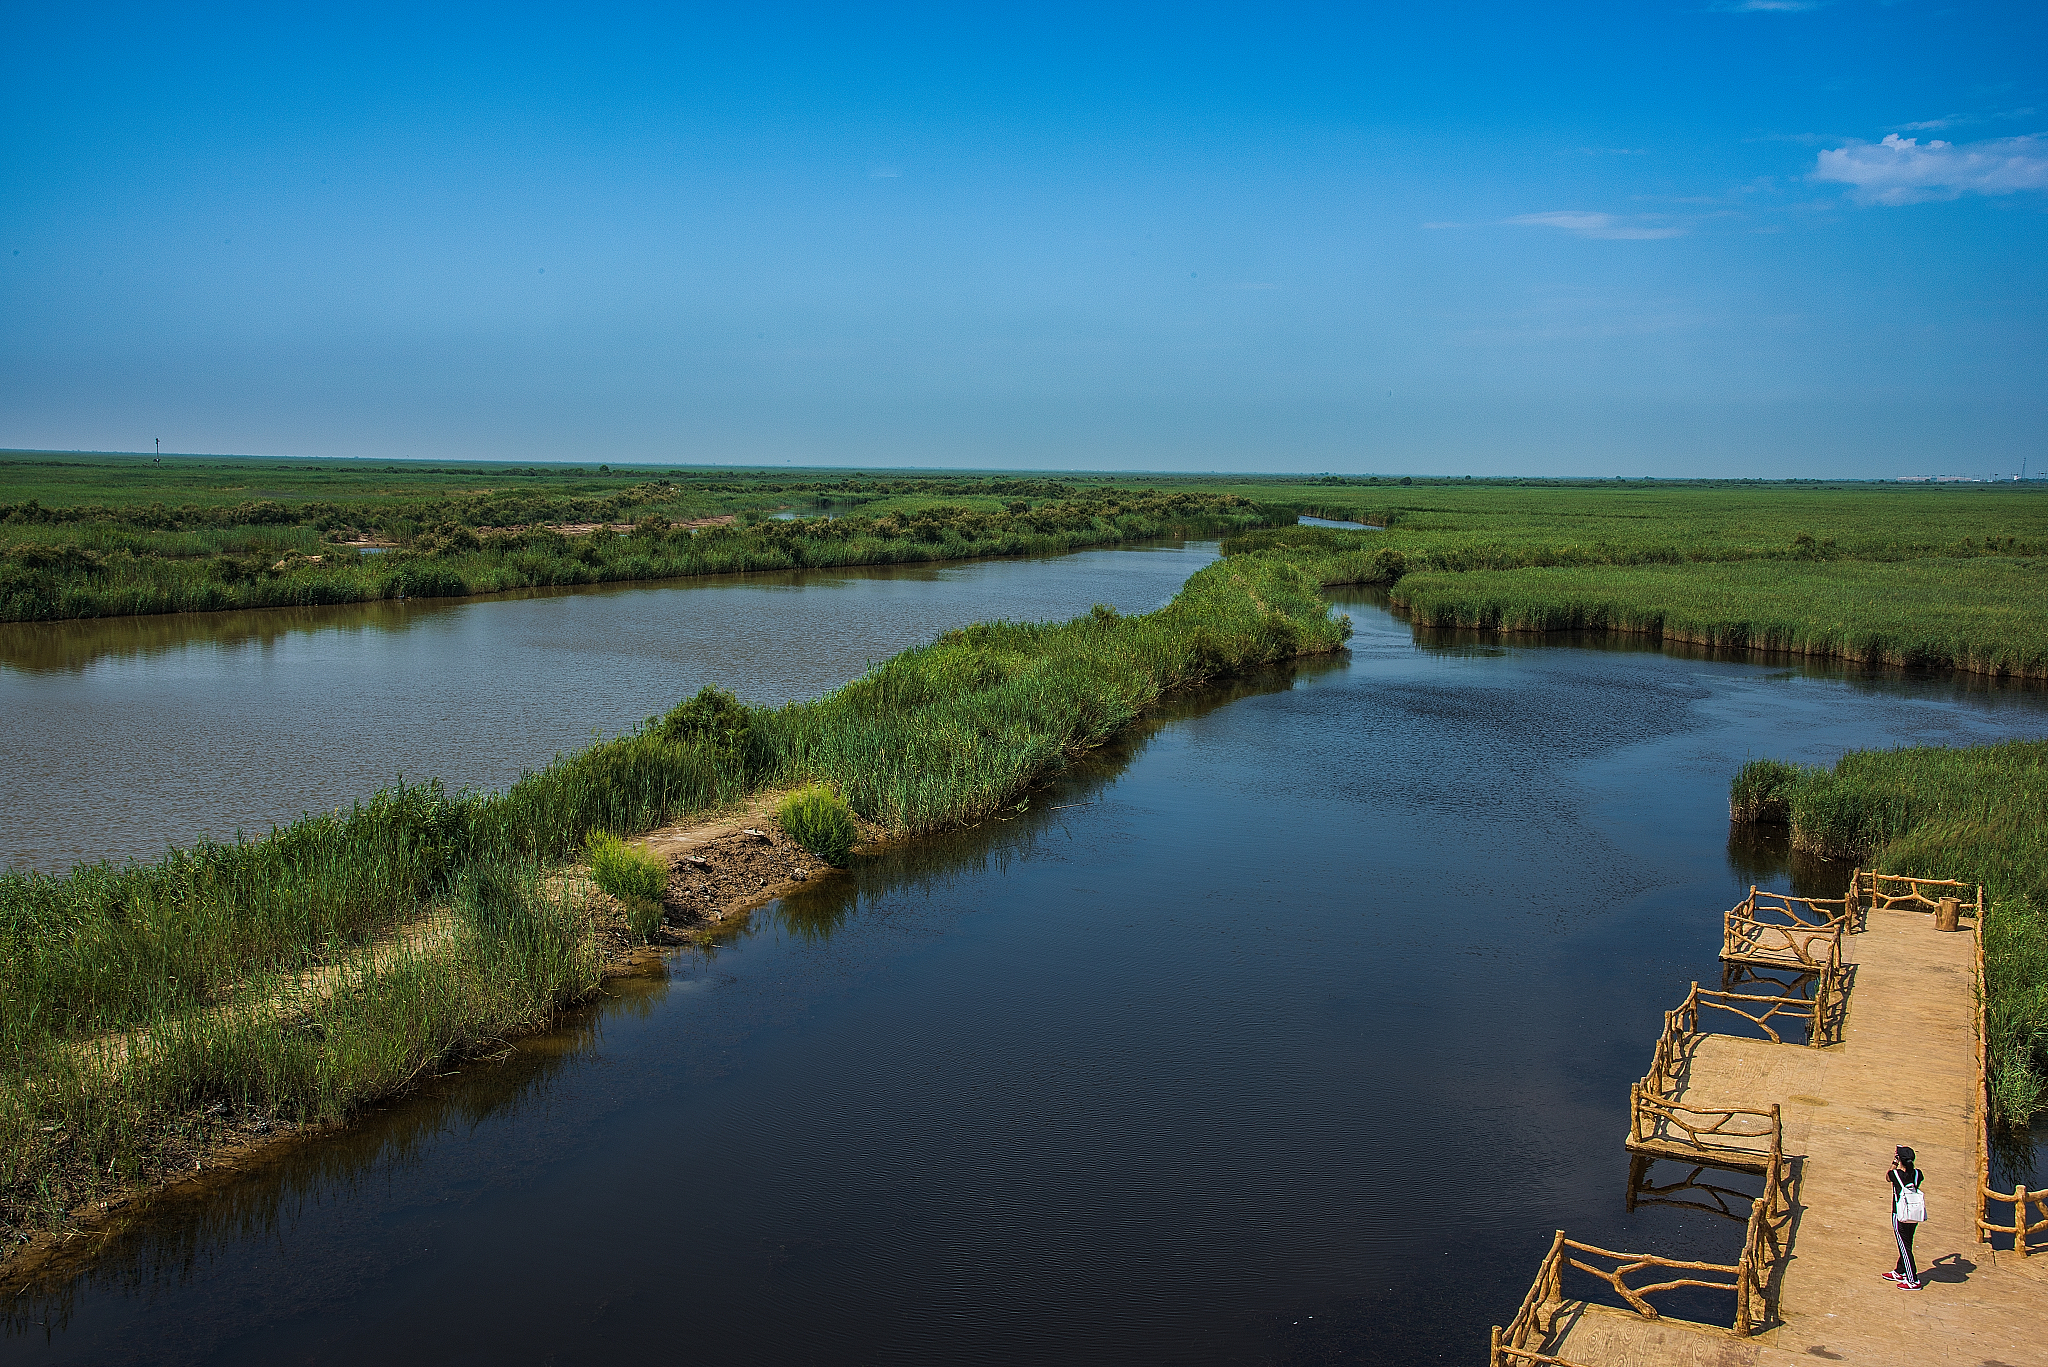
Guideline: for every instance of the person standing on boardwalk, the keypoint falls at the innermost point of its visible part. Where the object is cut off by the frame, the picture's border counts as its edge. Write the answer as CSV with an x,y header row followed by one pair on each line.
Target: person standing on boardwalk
x,y
1909,1208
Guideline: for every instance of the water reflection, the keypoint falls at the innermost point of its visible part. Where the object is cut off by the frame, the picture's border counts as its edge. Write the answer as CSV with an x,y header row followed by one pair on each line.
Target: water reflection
x,y
168,1241
992,847
1763,855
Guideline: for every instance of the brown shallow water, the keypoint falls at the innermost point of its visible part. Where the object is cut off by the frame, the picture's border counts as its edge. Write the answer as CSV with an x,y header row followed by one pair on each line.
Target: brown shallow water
x,y
125,734
1286,1032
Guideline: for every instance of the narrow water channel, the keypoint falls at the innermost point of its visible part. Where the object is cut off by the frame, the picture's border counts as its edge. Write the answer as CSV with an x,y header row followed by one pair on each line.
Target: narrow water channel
x,y
1286,1032
128,733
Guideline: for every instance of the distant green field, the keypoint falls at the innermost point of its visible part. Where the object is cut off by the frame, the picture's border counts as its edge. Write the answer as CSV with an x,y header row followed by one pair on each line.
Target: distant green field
x,y
1506,526
254,545
87,535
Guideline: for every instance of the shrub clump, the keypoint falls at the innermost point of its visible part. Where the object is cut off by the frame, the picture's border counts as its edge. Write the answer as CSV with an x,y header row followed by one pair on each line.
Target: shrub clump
x,y
636,877
818,819
721,725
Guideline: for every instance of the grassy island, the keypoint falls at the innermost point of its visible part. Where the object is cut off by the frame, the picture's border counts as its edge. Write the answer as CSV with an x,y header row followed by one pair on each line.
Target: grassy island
x,y
297,976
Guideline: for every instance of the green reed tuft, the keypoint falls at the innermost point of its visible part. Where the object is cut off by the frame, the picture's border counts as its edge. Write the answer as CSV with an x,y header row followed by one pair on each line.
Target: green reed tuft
x,y
817,818
623,871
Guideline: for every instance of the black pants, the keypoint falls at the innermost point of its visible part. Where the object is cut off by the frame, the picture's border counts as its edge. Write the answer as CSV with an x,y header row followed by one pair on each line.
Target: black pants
x,y
1904,1234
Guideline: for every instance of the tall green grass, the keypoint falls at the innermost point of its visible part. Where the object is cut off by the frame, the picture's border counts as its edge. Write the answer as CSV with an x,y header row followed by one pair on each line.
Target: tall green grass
x,y
1974,814
79,1118
1986,615
134,998
1493,525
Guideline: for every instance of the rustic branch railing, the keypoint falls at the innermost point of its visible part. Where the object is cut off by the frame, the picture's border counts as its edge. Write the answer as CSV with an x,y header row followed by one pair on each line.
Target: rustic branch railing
x,y
1683,1024
1788,932
1723,1136
1525,1337
2023,1225
1535,1318
1896,892
1811,1010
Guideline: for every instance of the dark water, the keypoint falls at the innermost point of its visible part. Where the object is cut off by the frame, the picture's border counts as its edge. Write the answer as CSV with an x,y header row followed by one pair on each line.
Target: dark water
x,y
1293,1044
122,735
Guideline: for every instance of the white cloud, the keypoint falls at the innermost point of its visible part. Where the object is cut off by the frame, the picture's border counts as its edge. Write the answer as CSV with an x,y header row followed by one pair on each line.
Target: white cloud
x,y
1596,225
1903,171
1768,6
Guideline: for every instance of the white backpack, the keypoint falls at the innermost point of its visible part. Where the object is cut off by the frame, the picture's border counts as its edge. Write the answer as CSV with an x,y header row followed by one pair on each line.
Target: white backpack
x,y
1911,1207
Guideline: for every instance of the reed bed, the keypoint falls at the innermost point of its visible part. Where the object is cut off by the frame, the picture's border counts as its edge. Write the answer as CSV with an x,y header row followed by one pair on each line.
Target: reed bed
x,y
1985,615
144,1006
66,569
77,1120
1459,527
1972,814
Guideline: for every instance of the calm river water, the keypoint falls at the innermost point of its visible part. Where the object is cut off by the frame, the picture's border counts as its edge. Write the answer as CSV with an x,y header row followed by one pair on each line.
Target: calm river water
x,y
1286,1032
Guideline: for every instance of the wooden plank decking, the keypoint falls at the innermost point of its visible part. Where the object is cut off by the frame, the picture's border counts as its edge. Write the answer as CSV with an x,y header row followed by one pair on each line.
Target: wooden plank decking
x,y
1904,1073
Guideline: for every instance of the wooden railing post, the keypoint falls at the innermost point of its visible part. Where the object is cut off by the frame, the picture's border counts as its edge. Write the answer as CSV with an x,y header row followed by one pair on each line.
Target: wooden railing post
x,y
1980,1103
2019,1219
1777,1157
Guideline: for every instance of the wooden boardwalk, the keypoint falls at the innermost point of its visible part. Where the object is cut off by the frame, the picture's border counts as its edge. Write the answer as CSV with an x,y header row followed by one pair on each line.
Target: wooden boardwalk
x,y
1904,1072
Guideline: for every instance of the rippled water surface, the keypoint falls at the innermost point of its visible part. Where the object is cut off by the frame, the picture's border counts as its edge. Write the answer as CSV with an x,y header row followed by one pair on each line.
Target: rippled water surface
x,y
124,734
1286,1032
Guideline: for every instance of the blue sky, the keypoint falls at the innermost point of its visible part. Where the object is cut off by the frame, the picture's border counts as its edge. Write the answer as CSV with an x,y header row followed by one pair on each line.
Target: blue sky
x,y
1759,239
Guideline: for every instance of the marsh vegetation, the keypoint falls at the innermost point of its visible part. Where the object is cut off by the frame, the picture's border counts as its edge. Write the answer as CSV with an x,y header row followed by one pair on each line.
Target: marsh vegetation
x,y
434,538
295,976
